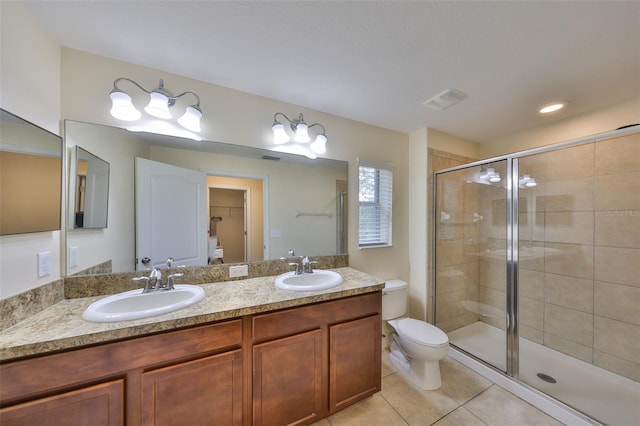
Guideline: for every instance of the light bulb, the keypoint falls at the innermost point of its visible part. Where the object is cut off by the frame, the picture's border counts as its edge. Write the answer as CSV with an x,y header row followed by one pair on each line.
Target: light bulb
x,y
302,133
122,107
158,105
191,119
280,136
319,146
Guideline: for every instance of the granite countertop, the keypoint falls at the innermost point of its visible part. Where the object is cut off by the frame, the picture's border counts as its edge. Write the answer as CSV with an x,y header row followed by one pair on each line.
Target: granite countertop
x,y
61,327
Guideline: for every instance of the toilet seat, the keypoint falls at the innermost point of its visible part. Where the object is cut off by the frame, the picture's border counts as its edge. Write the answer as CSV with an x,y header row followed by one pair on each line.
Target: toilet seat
x,y
421,333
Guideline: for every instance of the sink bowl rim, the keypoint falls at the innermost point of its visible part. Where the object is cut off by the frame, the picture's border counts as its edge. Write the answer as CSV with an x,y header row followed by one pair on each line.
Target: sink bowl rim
x,y
335,279
92,313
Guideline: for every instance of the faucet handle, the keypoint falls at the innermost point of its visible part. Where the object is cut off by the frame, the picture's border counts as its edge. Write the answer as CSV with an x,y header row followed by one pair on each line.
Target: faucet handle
x,y
170,278
311,263
297,267
146,283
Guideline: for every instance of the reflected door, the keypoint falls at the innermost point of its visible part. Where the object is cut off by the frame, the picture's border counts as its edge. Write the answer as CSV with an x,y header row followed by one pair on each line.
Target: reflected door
x,y
171,215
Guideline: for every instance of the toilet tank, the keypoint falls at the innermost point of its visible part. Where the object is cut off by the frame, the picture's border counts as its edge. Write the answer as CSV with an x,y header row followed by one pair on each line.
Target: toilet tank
x,y
394,299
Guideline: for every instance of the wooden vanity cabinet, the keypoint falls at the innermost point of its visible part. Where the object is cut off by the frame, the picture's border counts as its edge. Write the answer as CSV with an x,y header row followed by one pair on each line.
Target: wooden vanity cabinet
x,y
192,375
311,361
293,366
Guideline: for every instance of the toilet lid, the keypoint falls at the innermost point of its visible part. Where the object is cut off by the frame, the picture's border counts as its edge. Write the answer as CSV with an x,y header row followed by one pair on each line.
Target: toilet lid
x,y
421,332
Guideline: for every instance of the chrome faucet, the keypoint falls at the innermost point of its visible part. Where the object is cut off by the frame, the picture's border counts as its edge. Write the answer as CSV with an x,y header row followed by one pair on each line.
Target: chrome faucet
x,y
305,265
154,281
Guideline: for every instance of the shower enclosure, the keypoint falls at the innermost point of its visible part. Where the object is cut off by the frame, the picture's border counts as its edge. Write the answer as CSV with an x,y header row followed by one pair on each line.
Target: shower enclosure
x,y
537,274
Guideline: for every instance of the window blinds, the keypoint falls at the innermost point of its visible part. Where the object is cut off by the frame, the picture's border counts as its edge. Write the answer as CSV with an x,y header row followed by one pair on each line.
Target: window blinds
x,y
375,184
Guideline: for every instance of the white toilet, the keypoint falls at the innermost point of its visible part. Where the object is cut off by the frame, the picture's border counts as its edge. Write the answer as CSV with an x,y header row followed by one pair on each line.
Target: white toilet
x,y
416,346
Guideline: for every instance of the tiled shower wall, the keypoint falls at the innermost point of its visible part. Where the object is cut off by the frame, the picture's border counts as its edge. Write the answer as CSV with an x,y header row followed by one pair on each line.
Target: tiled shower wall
x,y
458,280
579,268
582,297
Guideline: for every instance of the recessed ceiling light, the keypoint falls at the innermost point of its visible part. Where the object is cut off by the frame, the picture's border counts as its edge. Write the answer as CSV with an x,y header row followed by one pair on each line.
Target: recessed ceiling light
x,y
552,107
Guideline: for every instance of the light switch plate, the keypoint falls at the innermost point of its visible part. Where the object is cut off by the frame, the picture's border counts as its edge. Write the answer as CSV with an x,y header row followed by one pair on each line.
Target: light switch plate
x,y
44,264
73,257
238,271
276,233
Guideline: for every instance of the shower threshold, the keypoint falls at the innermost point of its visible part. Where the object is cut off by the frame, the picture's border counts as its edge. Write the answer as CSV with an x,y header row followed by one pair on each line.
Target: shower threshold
x,y
604,396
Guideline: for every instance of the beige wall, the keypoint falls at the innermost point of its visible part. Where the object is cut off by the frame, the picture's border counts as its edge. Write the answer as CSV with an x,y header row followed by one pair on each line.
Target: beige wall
x,y
240,118
600,121
29,88
35,72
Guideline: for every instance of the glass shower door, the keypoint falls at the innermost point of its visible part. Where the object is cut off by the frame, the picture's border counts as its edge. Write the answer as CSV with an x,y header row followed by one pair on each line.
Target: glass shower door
x,y
471,238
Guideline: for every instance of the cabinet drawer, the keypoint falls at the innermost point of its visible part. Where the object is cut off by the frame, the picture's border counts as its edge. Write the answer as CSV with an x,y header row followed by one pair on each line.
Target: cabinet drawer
x,y
300,319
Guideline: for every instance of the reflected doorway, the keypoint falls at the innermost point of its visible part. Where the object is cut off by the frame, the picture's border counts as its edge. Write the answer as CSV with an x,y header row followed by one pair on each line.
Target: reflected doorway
x,y
227,225
236,225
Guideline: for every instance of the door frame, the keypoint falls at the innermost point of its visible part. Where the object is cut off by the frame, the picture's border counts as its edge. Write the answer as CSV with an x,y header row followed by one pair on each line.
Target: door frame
x,y
247,213
265,202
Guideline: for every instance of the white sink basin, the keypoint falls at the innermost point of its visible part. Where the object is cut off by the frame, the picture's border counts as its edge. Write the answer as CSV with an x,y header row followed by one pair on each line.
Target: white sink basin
x,y
320,279
134,304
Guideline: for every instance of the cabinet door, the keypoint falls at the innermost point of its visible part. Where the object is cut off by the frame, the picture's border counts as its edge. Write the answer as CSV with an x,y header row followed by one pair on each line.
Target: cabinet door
x,y
206,391
354,361
99,405
287,380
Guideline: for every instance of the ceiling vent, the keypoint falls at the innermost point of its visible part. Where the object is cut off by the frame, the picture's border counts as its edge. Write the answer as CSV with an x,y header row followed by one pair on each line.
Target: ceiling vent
x,y
444,100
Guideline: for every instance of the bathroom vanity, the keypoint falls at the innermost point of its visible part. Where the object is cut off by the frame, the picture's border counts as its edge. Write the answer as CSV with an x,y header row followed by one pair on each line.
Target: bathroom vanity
x,y
254,365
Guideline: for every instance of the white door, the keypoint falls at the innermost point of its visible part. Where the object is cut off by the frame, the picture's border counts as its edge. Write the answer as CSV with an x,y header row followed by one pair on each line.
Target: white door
x,y
171,212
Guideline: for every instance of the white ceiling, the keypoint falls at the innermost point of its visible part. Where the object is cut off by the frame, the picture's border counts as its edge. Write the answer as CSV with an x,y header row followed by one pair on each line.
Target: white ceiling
x,y
378,61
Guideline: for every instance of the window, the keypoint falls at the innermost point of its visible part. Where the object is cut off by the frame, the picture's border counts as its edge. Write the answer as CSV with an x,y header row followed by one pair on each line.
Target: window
x,y
375,182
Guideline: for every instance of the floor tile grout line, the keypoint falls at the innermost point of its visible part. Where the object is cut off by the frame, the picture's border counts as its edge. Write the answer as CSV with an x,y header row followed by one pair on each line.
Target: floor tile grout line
x,y
389,402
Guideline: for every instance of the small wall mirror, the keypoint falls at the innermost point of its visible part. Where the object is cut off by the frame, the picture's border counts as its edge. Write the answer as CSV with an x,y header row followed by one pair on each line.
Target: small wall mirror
x,y
30,177
90,189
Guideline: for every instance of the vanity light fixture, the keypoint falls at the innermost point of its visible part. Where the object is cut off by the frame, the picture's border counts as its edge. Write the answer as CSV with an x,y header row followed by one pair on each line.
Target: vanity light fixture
x,y
300,134
160,100
552,107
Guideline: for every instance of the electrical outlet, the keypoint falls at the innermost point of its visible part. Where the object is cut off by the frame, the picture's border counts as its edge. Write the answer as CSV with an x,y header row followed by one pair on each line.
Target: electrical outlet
x,y
44,264
238,271
73,257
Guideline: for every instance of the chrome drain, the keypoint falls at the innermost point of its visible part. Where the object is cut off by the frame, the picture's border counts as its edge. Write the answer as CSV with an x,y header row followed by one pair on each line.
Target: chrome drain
x,y
546,378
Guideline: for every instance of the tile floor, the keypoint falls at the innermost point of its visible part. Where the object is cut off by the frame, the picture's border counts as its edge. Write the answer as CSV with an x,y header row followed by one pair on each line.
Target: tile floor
x,y
465,399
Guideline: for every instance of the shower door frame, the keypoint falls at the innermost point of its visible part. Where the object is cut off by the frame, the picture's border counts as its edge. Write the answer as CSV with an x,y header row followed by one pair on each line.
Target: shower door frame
x,y
512,216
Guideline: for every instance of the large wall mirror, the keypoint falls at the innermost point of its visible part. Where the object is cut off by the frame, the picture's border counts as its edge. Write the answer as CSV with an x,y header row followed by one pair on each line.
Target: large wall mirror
x,y
258,204
30,177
